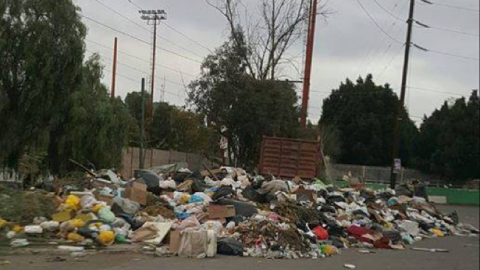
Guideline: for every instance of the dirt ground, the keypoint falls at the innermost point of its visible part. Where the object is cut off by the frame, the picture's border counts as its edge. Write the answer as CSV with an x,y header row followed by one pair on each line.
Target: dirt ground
x,y
464,254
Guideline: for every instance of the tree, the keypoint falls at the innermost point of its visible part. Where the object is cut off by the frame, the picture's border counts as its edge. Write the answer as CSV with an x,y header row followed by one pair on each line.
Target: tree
x,y
133,101
97,130
241,108
51,101
175,128
448,145
41,55
267,38
363,115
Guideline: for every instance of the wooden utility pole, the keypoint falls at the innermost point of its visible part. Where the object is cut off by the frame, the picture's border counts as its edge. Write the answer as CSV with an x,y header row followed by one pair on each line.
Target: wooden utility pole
x,y
155,17
141,155
398,117
114,69
308,62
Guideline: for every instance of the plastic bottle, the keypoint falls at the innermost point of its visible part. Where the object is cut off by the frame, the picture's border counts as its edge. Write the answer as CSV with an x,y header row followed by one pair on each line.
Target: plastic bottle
x,y
212,242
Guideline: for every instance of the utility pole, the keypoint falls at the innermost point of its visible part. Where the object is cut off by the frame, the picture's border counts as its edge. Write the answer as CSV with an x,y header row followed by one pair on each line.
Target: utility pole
x,y
308,62
398,117
114,69
153,17
142,128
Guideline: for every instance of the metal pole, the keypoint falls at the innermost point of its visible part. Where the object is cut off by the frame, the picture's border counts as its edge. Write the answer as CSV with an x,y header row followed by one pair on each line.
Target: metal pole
x,y
142,128
308,62
398,117
114,75
152,80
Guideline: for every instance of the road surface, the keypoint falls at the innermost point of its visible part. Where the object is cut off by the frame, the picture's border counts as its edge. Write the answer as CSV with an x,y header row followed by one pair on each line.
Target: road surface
x,y
463,255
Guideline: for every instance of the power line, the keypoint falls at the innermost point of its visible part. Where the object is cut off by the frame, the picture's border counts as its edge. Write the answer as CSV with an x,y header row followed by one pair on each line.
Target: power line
x,y
367,59
388,11
142,59
426,26
390,45
138,39
376,24
146,29
185,36
175,30
136,81
445,53
137,69
450,6
374,92
433,91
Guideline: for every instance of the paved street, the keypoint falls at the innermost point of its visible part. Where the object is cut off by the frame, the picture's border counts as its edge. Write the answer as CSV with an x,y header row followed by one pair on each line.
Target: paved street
x,y
463,255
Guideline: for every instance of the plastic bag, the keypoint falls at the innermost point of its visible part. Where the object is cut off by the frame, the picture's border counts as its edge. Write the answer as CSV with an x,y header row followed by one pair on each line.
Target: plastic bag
x,y
106,238
189,222
320,233
229,246
74,237
50,226
193,243
169,184
106,215
88,201
33,229
195,199
73,202
204,196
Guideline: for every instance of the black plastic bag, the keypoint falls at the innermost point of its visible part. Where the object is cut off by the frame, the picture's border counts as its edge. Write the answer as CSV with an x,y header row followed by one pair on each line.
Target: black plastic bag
x,y
230,247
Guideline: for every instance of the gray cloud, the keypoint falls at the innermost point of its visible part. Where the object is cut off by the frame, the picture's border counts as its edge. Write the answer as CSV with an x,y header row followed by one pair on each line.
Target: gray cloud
x,y
347,45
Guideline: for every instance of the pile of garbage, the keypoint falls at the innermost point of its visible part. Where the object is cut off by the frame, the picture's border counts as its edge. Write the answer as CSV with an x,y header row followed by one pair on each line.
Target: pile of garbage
x,y
170,210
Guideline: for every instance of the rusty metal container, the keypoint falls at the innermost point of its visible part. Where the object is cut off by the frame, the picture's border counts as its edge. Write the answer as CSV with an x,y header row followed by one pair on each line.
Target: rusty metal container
x,y
290,157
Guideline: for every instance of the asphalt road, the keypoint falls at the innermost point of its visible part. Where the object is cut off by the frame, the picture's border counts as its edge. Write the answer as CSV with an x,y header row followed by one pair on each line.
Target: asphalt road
x,y
464,254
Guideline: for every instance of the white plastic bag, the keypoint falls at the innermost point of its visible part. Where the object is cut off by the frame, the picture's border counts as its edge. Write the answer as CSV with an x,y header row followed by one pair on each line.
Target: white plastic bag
x,y
193,243
33,229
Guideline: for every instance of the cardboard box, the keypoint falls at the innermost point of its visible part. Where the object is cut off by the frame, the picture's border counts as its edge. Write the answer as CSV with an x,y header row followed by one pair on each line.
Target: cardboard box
x,y
104,198
303,194
137,193
167,193
220,211
175,238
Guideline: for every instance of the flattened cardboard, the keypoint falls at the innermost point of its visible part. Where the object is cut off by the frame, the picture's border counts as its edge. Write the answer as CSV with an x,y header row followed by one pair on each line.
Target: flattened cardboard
x,y
137,193
220,211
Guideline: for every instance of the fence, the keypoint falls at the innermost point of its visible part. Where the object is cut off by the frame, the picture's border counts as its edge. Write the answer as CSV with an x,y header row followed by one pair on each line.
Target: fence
x,y
7,175
379,174
153,158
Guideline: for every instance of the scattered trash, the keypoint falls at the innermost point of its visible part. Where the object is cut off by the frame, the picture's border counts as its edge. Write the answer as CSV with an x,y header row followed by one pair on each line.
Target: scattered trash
x,y
170,210
431,250
365,251
56,259
349,266
19,243
71,248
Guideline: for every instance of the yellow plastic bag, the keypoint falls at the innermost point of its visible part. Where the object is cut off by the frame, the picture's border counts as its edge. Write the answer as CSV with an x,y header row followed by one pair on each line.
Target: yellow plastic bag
x,y
106,238
17,228
97,208
438,233
3,222
73,202
77,223
184,198
75,237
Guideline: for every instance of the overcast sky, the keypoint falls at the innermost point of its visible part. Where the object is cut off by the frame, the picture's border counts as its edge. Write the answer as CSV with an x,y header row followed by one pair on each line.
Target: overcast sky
x,y
347,44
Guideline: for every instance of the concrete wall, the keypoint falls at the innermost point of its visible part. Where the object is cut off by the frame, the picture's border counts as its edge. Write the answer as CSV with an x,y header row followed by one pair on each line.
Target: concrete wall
x,y
153,158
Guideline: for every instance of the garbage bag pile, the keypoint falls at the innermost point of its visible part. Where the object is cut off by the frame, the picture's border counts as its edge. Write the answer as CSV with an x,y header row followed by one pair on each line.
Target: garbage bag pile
x,y
173,211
